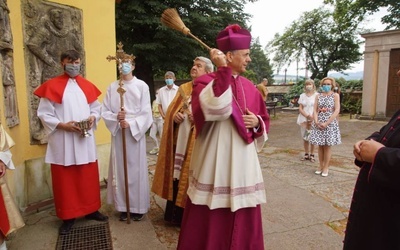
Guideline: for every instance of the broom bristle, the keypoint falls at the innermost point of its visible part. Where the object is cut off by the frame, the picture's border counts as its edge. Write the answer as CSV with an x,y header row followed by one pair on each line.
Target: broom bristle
x,y
170,18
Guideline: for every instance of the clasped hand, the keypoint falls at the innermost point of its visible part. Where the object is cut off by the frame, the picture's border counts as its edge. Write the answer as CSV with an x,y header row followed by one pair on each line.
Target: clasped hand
x,y
322,125
180,117
121,118
72,126
250,119
365,150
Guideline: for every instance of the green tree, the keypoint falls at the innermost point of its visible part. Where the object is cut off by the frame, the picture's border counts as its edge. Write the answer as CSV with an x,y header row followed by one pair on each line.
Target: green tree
x,y
260,63
295,91
360,9
158,48
328,44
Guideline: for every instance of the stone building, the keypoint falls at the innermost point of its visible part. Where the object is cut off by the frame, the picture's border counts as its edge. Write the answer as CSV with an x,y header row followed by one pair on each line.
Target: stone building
x,y
381,89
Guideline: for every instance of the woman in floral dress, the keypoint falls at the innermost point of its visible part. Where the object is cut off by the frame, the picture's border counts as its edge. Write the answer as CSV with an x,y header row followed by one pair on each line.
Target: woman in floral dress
x,y
325,128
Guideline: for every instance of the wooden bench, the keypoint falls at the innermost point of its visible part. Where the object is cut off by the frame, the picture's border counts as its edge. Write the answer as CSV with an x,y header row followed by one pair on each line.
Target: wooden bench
x,y
271,106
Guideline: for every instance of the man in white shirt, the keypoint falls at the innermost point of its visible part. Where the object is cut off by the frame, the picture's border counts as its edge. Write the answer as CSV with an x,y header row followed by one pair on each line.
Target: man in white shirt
x,y
167,93
164,98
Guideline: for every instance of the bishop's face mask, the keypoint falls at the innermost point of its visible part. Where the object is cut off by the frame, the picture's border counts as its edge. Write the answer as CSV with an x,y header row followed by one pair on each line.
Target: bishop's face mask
x,y
72,69
126,68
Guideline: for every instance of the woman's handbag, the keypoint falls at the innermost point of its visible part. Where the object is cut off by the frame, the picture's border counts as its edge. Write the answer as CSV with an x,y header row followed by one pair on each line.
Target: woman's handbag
x,y
307,134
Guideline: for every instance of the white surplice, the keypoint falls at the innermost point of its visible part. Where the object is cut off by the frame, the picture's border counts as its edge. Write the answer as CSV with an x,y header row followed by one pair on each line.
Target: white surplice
x,y
225,171
138,115
69,150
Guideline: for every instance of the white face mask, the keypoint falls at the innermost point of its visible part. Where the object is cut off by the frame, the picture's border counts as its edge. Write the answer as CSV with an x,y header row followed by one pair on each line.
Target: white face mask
x,y
309,88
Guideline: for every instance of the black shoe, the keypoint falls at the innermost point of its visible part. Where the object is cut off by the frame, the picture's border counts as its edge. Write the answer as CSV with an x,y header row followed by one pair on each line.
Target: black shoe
x,y
97,216
66,226
123,216
137,217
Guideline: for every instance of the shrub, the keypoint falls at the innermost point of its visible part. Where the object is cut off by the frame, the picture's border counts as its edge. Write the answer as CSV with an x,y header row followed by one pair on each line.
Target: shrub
x,y
350,104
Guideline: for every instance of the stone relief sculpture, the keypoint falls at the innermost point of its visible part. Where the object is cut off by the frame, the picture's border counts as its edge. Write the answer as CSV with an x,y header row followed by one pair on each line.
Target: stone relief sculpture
x,y
7,66
49,29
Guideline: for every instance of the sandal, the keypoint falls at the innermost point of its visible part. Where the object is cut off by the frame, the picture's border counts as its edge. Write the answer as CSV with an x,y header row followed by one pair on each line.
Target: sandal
x,y
305,157
312,158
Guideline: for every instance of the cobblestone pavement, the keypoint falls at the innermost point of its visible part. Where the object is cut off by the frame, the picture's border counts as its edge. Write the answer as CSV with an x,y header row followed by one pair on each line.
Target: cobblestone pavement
x,y
303,210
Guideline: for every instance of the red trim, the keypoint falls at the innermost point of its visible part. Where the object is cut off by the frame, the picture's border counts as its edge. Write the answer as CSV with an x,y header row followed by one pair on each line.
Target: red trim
x,y
53,89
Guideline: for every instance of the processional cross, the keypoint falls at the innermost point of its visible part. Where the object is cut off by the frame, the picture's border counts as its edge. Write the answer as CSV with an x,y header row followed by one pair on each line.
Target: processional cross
x,y
121,57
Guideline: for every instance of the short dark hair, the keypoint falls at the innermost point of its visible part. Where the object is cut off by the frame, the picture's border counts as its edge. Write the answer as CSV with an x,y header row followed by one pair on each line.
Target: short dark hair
x,y
71,55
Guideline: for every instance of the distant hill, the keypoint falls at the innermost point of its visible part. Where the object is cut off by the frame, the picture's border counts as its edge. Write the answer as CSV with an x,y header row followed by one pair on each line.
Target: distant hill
x,y
348,75
290,79
280,79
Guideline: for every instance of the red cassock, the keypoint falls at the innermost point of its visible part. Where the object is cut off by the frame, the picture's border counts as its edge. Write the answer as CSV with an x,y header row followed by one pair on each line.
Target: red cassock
x,y
76,190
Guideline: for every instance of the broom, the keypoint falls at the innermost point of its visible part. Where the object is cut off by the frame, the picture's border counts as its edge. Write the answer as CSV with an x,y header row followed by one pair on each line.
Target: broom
x,y
171,19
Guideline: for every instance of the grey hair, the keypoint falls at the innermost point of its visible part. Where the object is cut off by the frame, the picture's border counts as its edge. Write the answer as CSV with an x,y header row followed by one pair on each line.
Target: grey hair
x,y
170,73
209,65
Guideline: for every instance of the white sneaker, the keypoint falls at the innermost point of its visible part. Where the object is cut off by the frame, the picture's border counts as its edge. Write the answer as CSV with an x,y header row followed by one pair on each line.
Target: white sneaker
x,y
154,151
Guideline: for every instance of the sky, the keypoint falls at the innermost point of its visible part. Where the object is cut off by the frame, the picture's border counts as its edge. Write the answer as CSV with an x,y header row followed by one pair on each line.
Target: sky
x,y
271,18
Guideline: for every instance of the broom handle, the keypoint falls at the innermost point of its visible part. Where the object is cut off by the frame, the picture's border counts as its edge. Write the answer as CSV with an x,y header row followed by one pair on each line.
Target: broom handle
x,y
200,41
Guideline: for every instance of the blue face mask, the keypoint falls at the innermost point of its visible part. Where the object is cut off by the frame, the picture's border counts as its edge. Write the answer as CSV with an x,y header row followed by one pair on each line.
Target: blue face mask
x,y
169,81
126,68
326,88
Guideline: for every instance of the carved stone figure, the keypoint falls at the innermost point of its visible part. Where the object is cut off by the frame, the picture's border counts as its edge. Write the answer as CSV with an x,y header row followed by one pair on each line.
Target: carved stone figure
x,y
5,28
10,96
53,29
49,40
7,66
